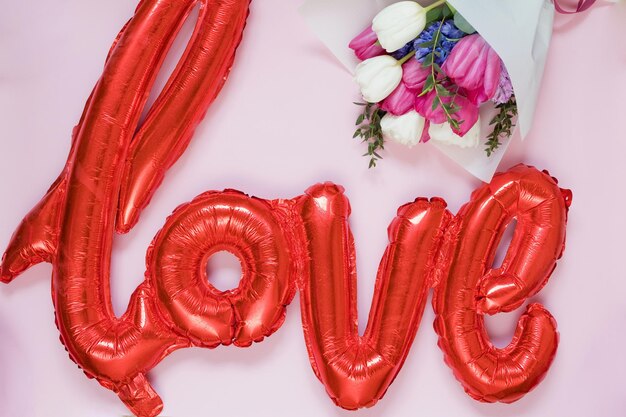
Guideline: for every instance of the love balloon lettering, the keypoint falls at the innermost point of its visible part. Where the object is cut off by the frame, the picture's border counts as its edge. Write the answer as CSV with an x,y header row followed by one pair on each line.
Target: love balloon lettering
x,y
115,166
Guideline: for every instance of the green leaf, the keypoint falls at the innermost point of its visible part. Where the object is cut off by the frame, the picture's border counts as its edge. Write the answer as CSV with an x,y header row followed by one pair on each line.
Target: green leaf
x,y
503,124
428,85
434,14
436,102
463,24
370,132
442,90
446,12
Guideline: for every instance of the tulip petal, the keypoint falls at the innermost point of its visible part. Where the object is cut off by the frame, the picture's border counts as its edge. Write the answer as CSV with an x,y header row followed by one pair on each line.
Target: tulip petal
x,y
475,67
425,132
442,133
465,52
492,74
378,77
364,39
467,114
398,24
365,45
414,74
400,101
406,129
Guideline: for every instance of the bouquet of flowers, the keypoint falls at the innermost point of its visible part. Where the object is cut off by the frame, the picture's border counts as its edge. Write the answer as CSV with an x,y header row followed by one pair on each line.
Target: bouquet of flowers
x,y
424,75
427,75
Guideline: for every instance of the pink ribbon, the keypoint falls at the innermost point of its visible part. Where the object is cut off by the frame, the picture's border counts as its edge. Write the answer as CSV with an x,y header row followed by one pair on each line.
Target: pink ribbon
x,y
582,6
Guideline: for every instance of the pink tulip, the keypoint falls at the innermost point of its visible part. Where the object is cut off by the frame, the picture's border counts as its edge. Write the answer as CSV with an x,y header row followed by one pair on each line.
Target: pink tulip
x,y
365,45
402,99
474,66
414,75
468,111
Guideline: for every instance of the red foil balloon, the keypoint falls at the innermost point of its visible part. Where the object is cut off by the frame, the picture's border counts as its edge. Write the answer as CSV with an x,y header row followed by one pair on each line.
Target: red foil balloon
x,y
115,166
259,233
357,370
73,225
172,120
473,288
307,241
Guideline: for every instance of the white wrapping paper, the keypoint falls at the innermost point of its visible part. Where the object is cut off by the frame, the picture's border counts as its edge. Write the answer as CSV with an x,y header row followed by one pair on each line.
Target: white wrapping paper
x,y
518,30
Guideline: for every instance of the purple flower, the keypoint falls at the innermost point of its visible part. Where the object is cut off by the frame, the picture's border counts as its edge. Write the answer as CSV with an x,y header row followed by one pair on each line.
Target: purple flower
x,y
504,92
450,30
447,39
402,52
449,36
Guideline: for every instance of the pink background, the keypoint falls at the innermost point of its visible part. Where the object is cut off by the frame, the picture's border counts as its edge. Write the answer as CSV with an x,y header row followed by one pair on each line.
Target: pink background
x,y
283,122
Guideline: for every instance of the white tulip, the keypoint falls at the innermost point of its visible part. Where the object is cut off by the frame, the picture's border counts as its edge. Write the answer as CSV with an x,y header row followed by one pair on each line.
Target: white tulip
x,y
378,77
406,129
443,133
398,24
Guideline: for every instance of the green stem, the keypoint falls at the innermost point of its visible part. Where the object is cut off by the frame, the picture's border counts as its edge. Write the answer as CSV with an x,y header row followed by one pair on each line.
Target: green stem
x,y
435,4
406,57
432,70
449,117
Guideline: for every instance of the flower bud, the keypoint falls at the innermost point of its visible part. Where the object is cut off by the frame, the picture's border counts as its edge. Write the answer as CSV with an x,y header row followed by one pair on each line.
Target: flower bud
x,y
365,45
398,24
443,133
474,66
406,129
378,77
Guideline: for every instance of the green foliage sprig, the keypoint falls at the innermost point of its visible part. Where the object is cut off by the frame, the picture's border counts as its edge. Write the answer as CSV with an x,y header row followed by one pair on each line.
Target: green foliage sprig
x,y
369,130
437,80
503,123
